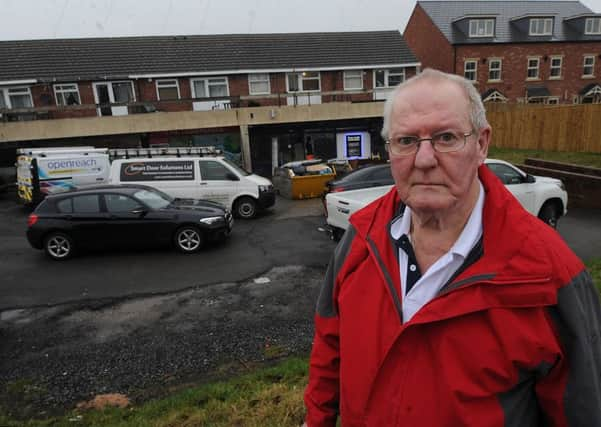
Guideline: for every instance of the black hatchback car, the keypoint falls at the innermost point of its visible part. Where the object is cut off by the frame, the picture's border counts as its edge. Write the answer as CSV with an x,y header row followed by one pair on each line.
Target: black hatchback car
x,y
124,216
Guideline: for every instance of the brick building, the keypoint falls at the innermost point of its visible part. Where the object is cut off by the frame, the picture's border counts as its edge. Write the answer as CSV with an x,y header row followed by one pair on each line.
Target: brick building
x,y
133,76
514,51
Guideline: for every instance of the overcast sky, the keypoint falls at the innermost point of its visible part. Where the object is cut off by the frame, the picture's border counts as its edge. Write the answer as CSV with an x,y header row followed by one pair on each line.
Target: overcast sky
x,y
40,19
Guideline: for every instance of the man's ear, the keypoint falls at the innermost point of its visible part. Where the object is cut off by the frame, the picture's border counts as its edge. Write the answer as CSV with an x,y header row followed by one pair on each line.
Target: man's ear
x,y
483,143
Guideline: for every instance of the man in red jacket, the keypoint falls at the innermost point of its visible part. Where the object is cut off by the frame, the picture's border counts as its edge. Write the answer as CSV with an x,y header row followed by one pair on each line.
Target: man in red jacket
x,y
446,303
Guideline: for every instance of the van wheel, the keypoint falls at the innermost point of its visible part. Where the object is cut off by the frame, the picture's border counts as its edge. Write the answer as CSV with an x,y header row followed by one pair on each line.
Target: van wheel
x,y
188,239
58,246
549,214
245,207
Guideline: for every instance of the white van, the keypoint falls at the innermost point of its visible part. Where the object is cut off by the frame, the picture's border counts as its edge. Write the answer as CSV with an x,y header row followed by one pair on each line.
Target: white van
x,y
211,178
42,171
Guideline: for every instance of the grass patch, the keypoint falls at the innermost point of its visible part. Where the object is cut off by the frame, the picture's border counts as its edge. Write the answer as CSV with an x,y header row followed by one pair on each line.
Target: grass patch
x,y
518,157
594,267
269,397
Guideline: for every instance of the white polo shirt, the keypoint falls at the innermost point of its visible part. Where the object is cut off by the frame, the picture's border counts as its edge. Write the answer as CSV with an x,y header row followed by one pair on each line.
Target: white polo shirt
x,y
441,271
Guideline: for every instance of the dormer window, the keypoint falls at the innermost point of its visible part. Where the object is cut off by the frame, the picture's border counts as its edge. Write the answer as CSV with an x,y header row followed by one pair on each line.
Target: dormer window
x,y
541,26
592,26
482,27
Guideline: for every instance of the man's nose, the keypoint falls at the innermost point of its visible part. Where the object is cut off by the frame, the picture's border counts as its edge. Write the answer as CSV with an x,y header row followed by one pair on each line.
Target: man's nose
x,y
425,157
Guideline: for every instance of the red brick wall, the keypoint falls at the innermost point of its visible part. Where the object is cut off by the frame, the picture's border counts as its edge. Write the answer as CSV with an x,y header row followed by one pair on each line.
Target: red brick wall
x,y
514,67
145,91
426,41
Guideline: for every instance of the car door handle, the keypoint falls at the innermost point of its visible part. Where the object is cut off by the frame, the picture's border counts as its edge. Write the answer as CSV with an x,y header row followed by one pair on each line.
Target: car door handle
x,y
203,183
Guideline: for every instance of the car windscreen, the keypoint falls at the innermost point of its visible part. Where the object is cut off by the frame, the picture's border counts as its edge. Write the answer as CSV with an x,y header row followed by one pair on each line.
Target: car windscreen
x,y
154,199
236,167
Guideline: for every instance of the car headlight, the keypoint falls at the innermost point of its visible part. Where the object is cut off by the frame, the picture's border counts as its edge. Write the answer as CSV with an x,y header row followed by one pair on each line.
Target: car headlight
x,y
212,220
264,188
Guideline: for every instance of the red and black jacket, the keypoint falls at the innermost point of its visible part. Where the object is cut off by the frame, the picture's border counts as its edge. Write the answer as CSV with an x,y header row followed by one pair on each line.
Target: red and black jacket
x,y
513,339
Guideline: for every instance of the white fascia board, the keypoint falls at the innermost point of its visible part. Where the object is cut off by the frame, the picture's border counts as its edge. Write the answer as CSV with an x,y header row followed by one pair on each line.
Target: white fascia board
x,y
17,82
534,15
270,70
583,15
475,16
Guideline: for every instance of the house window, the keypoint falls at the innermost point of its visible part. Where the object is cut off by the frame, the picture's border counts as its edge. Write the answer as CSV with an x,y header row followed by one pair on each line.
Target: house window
x,y
353,80
113,92
588,69
482,27
470,70
16,97
258,84
307,81
533,65
541,26
592,26
552,100
66,94
555,70
389,78
494,70
210,87
167,89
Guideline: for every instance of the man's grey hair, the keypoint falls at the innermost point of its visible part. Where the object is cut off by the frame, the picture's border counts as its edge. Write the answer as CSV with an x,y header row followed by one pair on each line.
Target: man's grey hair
x,y
476,107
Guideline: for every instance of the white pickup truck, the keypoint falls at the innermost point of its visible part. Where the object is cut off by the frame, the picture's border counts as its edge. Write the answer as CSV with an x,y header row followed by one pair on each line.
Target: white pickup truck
x,y
541,196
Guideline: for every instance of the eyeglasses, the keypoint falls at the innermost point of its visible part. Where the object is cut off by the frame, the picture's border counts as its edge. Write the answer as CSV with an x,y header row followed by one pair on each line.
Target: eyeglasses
x,y
445,142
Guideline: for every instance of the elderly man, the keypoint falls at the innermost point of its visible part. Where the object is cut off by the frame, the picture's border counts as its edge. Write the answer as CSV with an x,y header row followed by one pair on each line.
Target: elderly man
x,y
446,303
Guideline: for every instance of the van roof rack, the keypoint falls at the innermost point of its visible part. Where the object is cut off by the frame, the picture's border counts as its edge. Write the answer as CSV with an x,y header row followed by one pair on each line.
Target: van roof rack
x,y
127,153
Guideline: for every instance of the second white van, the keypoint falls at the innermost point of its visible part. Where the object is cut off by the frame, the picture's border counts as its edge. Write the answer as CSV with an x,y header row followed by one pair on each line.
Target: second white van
x,y
211,178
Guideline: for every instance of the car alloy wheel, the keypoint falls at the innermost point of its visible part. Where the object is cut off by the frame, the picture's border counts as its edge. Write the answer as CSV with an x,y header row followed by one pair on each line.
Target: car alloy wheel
x,y
245,208
58,246
188,239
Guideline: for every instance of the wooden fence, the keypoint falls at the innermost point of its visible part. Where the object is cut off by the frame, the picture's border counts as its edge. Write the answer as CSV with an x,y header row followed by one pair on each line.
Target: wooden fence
x,y
546,127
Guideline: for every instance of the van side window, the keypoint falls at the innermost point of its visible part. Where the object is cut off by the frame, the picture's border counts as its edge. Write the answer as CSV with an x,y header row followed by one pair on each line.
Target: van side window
x,y
120,203
86,204
214,171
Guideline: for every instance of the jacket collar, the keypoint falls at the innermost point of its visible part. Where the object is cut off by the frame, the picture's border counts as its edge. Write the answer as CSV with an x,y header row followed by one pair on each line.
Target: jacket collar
x,y
506,230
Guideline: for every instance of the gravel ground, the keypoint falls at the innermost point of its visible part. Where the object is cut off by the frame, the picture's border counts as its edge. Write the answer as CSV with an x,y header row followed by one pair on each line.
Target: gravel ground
x,y
52,358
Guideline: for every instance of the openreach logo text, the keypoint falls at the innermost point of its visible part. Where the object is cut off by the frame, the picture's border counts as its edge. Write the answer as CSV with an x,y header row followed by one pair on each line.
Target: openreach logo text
x,y
69,164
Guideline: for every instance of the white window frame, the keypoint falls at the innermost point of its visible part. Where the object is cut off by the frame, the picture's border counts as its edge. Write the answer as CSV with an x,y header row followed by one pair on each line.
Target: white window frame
x,y
5,93
552,100
61,89
301,78
387,74
529,67
482,27
259,78
499,69
348,75
547,27
110,84
557,67
207,85
466,71
166,84
585,65
592,26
